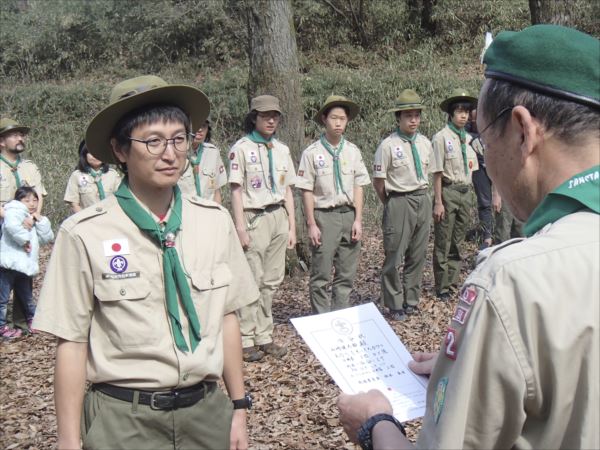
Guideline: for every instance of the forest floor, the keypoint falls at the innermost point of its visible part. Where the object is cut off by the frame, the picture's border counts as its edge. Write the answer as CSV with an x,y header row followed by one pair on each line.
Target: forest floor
x,y
294,397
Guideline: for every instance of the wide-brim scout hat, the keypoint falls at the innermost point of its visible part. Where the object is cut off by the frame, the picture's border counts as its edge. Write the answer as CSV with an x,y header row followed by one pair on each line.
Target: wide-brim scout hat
x,y
550,59
7,125
137,92
337,100
406,101
458,96
264,103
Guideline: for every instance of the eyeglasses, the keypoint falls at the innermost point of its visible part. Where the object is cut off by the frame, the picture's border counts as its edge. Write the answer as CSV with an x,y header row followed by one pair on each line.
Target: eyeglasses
x,y
156,146
500,114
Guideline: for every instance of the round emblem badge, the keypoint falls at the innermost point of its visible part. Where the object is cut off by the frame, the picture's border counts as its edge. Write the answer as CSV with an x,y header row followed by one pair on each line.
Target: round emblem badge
x,y
118,264
256,182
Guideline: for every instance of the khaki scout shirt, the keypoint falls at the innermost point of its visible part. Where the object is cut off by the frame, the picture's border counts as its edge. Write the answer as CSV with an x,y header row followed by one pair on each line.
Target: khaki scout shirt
x,y
82,189
448,157
519,365
395,163
316,174
104,286
29,175
212,174
249,167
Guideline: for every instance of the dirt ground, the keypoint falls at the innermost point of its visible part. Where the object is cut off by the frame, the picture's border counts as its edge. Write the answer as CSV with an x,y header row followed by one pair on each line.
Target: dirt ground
x,y
294,398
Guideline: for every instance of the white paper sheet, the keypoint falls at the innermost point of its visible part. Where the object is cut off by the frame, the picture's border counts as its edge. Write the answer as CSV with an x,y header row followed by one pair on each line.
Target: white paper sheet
x,y
361,351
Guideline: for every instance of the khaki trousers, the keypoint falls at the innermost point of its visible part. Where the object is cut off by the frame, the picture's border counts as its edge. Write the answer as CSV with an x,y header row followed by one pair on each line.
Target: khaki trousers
x,y
449,235
338,251
109,423
266,256
406,223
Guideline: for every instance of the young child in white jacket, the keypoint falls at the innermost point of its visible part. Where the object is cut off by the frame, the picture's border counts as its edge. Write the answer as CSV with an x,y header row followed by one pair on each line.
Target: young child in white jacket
x,y
23,231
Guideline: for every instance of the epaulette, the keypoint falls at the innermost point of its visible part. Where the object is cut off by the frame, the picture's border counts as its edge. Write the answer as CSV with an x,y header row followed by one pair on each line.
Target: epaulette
x,y
205,202
83,215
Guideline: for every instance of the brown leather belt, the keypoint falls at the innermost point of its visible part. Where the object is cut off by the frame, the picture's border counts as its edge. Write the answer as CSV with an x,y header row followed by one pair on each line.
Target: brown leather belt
x,y
403,194
163,400
266,209
338,209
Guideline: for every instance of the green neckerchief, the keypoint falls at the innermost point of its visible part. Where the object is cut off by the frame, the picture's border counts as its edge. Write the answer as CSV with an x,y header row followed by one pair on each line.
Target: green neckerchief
x,y
97,176
14,168
195,161
462,134
413,147
258,138
579,192
336,161
174,276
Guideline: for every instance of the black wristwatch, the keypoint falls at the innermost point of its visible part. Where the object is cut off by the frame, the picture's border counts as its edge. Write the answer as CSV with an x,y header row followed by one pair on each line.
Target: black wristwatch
x,y
365,438
243,403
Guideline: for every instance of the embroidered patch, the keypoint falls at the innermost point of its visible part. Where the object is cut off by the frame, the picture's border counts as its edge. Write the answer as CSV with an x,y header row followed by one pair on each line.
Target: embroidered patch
x,y
301,173
83,181
234,166
114,247
440,398
449,147
460,315
256,182
282,179
253,157
221,169
232,155
320,160
399,153
378,168
118,264
120,276
468,295
470,164
450,342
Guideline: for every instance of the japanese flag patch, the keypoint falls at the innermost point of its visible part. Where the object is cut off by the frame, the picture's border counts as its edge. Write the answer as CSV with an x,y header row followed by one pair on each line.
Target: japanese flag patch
x,y
114,247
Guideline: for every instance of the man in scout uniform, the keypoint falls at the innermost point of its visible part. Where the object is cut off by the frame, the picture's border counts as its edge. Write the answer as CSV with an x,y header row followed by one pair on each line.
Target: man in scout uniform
x,y
142,303
332,175
400,178
454,163
205,175
261,175
14,173
519,365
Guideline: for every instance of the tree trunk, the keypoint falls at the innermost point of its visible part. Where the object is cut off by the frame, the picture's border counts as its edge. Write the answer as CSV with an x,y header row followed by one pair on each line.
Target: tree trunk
x,y
427,22
274,70
551,11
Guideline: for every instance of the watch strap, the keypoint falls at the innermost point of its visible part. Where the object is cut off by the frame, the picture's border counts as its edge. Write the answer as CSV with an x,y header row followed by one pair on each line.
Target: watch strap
x,y
365,437
242,403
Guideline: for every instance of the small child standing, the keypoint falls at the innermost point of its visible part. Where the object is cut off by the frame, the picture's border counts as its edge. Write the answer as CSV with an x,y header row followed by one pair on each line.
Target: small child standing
x,y
23,231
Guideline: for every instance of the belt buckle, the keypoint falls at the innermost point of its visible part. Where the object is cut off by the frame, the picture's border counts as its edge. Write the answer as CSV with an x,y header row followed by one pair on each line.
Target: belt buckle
x,y
153,404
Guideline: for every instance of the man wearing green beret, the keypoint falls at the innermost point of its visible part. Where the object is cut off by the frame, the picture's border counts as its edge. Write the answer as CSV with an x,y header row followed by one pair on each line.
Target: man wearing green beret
x,y
15,171
332,175
454,164
142,289
400,178
519,365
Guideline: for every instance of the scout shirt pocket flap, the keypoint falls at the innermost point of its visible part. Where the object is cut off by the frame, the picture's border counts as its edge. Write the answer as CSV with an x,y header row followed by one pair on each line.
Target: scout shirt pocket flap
x,y
213,278
400,162
208,172
282,167
111,290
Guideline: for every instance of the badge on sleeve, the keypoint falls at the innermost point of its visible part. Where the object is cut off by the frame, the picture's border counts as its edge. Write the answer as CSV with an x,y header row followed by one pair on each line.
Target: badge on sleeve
x,y
468,295
115,247
440,398
378,168
234,166
301,173
232,155
450,342
221,169
460,315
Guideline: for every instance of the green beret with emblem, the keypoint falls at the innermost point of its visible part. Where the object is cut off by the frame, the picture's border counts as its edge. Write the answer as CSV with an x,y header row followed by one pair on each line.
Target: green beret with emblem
x,y
550,59
459,95
407,100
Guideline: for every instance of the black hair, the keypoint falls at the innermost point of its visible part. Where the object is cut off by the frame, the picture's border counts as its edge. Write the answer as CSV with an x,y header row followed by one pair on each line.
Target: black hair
x,y
144,115
568,121
328,110
250,121
467,106
83,165
208,132
398,114
24,191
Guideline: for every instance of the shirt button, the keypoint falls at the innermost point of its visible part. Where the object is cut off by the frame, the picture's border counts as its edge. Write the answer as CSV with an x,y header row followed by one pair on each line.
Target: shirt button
x,y
185,376
212,282
122,292
99,209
